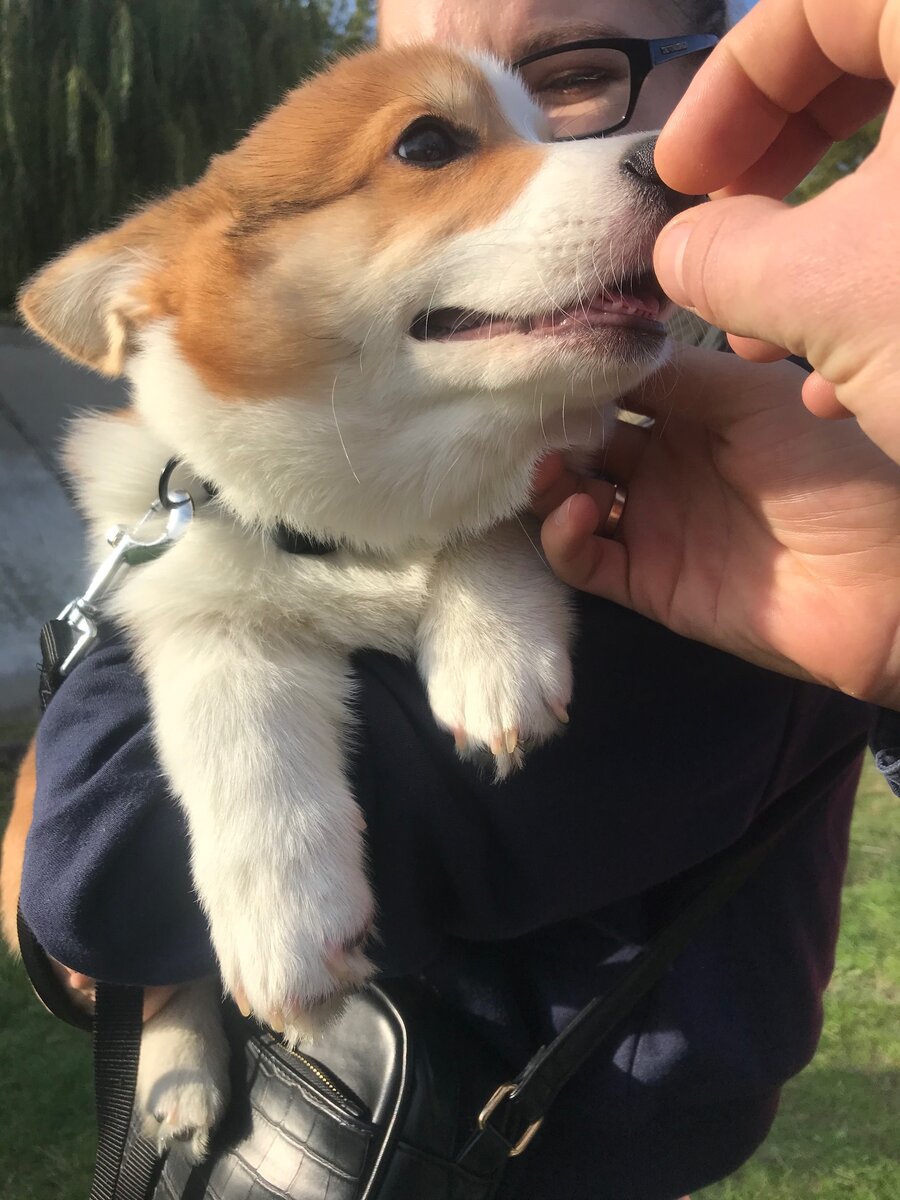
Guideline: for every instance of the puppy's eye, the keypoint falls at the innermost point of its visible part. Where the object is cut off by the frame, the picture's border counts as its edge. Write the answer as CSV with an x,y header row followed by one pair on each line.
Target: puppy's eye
x,y
430,142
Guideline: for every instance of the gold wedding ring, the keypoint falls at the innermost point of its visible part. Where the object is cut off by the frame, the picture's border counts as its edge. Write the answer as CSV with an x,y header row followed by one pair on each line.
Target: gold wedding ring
x,y
615,513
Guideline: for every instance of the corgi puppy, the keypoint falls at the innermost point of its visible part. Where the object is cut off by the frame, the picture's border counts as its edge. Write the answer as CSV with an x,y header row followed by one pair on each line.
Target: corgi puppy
x,y
366,324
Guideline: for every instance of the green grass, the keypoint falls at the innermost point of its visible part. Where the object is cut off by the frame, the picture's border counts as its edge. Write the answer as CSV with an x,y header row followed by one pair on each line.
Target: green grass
x,y
46,1133
835,1138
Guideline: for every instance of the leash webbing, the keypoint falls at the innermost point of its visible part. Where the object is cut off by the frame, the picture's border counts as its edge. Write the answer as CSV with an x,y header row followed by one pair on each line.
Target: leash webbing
x,y
117,1047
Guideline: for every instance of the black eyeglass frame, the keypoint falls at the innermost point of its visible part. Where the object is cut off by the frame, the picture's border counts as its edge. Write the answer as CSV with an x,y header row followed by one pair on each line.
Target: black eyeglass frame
x,y
643,55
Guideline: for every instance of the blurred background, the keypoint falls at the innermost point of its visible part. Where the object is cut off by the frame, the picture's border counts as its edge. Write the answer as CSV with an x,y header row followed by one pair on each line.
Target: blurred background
x,y
105,104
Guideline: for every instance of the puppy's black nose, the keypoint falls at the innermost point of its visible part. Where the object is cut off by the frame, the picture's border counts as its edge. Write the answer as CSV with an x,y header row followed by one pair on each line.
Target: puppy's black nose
x,y
639,166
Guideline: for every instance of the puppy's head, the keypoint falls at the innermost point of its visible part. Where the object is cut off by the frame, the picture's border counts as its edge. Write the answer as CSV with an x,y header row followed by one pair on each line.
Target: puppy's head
x,y
396,240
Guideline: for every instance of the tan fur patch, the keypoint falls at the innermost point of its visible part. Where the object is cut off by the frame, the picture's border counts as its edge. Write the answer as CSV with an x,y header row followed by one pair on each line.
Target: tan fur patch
x,y
321,168
12,856
318,170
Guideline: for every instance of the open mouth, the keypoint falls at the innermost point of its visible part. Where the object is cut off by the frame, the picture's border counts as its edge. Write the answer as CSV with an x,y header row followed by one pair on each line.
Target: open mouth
x,y
642,307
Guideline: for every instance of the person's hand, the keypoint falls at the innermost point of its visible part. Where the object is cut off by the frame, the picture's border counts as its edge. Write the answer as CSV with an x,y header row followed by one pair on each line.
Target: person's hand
x,y
82,990
822,280
749,525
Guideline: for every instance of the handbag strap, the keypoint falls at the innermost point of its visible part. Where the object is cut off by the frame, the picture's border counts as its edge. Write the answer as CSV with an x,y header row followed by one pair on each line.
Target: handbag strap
x,y
513,1115
116,1028
117,1047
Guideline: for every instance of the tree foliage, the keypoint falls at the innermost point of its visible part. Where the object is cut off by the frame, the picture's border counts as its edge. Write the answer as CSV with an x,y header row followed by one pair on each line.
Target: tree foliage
x,y
105,103
841,160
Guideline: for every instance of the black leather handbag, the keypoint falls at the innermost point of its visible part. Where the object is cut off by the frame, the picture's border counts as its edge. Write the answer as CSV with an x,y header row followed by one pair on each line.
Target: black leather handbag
x,y
403,1100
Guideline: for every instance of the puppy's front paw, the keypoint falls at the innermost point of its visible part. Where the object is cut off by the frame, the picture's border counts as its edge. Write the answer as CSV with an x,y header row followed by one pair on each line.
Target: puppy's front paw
x,y
503,698
182,1084
291,953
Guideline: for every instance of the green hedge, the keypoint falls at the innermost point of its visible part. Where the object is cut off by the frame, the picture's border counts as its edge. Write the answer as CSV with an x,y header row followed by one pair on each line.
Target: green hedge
x,y
841,160
105,103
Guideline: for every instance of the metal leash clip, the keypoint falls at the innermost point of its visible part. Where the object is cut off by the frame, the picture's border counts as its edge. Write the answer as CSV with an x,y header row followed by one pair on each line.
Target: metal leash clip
x,y
82,614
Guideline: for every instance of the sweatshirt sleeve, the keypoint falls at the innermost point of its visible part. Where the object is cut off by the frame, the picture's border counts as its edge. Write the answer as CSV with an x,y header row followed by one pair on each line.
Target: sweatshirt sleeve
x,y
106,886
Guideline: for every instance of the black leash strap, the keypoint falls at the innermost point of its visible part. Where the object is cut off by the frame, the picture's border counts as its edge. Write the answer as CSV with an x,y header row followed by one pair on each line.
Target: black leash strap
x,y
117,1046
517,1110
47,985
57,641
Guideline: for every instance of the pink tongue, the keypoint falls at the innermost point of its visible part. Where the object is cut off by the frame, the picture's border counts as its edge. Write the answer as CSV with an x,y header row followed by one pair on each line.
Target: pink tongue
x,y
630,306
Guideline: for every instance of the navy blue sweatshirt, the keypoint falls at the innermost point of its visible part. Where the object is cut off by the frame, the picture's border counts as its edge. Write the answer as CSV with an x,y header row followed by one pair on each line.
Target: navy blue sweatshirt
x,y
522,900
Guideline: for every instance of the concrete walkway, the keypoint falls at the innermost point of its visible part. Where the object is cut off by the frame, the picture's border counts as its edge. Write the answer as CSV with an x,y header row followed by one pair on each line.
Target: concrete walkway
x,y
41,537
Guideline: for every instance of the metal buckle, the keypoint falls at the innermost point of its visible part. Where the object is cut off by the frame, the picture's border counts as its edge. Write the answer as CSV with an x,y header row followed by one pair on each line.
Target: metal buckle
x,y
82,614
505,1090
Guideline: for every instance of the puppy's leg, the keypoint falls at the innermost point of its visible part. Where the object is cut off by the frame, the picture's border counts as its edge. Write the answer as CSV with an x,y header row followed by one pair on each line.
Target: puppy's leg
x,y
494,644
250,736
182,1086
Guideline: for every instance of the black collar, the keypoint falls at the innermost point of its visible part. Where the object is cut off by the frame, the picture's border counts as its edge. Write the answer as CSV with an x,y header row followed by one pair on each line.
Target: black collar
x,y
294,542
291,541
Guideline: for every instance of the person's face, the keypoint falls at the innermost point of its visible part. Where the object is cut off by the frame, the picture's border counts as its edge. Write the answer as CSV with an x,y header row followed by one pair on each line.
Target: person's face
x,y
514,28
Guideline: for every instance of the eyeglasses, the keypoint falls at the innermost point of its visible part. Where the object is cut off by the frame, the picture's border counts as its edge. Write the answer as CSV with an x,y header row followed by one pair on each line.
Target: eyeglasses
x,y
591,87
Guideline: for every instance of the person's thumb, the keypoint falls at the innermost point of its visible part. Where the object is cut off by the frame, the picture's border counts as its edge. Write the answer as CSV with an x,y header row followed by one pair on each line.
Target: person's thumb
x,y
742,264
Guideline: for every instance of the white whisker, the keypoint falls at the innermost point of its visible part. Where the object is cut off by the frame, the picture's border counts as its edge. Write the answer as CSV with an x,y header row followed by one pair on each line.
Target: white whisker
x,y
537,549
338,428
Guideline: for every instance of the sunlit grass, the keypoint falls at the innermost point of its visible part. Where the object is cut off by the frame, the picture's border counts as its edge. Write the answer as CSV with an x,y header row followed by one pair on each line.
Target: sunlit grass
x,y
837,1136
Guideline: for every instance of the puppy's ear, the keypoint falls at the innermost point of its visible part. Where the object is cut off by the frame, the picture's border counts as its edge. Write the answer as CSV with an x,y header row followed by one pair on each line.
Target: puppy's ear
x,y
83,304
90,302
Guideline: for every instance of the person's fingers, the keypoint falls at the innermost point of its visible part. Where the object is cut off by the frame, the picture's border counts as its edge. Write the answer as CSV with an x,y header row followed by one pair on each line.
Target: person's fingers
x,y
554,481
551,484
580,558
619,458
83,989
820,398
754,350
841,110
714,389
792,155
848,104
754,79
781,59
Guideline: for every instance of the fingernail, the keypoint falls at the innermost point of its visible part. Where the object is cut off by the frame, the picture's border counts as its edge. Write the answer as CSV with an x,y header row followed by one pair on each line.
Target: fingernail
x,y
668,257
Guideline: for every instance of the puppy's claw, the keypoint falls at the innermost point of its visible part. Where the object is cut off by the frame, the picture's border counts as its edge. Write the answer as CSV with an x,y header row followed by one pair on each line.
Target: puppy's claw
x,y
461,739
560,711
512,741
508,761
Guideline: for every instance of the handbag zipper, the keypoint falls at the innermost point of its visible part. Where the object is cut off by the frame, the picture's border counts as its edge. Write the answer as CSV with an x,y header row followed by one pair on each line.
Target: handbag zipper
x,y
350,1103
